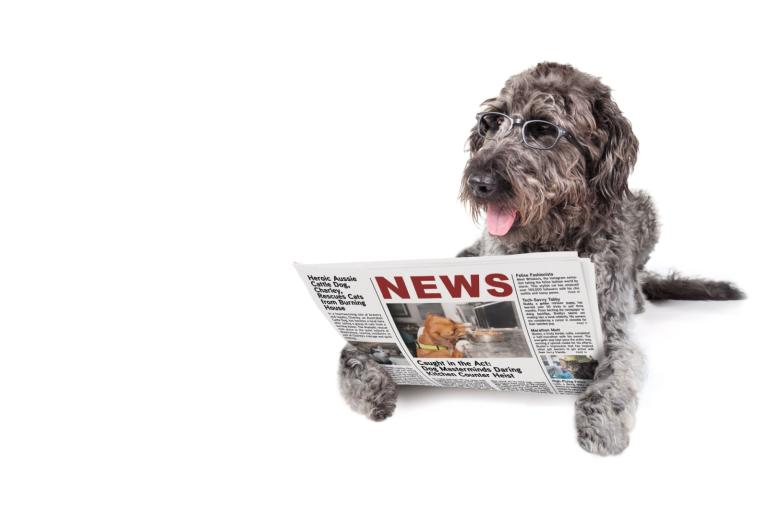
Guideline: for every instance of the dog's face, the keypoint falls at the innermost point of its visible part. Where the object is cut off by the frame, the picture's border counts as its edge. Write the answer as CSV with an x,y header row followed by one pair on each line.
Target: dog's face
x,y
443,329
549,190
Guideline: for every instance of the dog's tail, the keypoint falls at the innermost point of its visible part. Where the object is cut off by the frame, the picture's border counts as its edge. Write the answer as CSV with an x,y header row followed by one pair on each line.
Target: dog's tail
x,y
676,287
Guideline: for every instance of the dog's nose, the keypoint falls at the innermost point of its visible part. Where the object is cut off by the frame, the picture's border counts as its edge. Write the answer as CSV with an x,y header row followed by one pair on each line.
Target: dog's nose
x,y
483,185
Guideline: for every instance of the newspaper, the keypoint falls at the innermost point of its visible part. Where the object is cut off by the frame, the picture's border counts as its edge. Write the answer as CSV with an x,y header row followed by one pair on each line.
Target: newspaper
x,y
526,322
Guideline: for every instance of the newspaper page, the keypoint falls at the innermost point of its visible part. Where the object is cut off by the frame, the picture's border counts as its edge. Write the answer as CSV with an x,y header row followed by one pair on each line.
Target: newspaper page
x,y
525,322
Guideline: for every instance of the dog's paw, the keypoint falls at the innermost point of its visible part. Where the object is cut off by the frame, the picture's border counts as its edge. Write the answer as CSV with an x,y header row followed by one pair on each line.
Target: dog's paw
x,y
382,411
603,422
379,397
366,386
377,402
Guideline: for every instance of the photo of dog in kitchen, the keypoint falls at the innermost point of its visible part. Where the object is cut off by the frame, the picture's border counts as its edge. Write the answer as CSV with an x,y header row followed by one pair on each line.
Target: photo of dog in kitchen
x,y
461,330
569,366
382,353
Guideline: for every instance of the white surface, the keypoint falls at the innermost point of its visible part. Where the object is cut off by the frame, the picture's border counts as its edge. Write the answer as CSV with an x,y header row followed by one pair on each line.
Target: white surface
x,y
164,163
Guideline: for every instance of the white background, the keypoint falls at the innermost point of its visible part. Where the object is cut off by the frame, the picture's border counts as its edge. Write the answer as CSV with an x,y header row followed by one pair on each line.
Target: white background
x,y
163,163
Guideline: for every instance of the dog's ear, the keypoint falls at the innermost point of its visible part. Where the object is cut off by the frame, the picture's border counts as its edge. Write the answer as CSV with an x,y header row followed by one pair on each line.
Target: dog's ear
x,y
475,141
619,150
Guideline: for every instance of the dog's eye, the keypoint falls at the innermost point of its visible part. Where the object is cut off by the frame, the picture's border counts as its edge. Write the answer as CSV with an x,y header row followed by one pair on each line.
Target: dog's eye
x,y
489,123
541,134
541,129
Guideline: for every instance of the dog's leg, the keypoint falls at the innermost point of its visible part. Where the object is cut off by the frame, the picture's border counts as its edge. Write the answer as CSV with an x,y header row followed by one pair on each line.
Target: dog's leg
x,y
642,215
365,385
605,413
639,297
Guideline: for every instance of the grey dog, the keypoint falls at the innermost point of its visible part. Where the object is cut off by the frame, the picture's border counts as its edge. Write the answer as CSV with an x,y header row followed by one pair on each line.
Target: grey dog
x,y
549,161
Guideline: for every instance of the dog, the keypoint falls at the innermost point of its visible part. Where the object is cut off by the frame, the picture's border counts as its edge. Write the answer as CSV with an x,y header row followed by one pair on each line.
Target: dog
x,y
440,337
549,160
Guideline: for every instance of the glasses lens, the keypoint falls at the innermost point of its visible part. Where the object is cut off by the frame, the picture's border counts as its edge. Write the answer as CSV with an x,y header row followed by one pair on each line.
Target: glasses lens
x,y
491,124
540,134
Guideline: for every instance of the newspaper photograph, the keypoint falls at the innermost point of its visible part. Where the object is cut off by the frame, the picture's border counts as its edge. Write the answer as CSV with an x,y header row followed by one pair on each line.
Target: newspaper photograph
x,y
525,322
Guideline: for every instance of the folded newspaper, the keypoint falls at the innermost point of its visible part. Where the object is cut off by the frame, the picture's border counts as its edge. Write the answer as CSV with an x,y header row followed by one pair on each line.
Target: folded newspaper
x,y
526,322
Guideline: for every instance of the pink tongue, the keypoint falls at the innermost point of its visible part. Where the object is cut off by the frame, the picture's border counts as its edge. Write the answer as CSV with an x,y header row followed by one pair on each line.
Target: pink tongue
x,y
499,221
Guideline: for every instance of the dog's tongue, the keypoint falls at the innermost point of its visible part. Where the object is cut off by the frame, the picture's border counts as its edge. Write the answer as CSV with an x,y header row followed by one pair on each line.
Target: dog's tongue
x,y
499,221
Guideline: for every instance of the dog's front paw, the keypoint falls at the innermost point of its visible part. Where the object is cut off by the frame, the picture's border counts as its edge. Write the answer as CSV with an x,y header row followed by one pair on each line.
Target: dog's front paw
x,y
604,419
373,394
366,386
381,410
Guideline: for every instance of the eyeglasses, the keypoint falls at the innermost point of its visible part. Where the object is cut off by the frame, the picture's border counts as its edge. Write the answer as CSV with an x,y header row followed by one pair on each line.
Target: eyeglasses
x,y
537,134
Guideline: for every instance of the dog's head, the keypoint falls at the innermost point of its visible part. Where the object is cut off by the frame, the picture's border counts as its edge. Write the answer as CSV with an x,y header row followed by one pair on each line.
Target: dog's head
x,y
443,329
548,190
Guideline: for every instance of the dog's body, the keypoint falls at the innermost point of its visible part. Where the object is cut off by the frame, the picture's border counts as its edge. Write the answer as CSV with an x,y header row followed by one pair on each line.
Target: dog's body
x,y
571,197
439,337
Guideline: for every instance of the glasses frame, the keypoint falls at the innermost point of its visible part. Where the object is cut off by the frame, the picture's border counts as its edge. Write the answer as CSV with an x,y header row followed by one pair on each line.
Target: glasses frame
x,y
562,133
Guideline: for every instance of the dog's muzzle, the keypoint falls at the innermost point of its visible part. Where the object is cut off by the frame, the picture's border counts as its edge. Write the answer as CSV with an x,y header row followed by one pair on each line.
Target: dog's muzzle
x,y
483,185
492,191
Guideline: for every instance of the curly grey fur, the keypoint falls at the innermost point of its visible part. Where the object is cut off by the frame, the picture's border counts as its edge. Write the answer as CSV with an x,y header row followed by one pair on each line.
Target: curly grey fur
x,y
365,385
571,198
